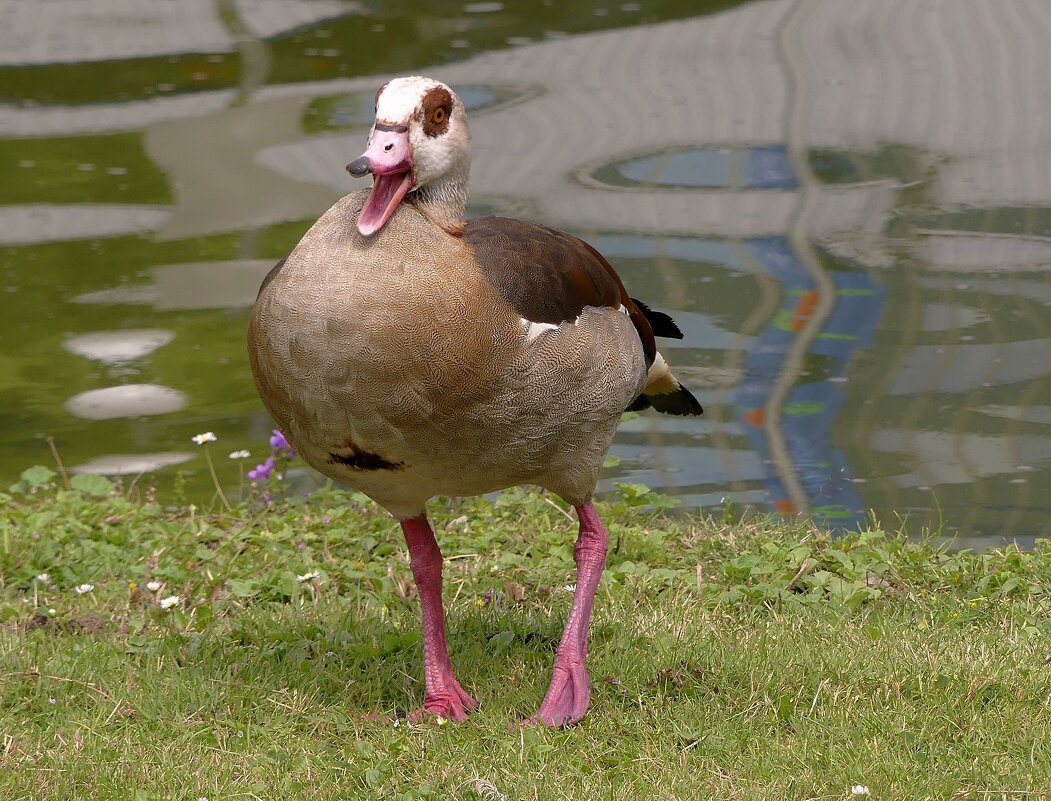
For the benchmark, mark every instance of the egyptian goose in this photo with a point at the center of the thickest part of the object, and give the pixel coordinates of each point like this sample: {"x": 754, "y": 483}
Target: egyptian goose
{"x": 407, "y": 352}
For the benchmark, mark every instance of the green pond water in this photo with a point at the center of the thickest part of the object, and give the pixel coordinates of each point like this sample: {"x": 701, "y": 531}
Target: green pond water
{"x": 846, "y": 207}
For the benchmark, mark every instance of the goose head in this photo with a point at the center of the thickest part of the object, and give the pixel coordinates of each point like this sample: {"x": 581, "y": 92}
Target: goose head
{"x": 419, "y": 144}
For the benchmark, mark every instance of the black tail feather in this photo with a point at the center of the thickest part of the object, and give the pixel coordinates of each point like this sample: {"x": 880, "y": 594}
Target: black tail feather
{"x": 640, "y": 403}
{"x": 680, "y": 402}
{"x": 661, "y": 323}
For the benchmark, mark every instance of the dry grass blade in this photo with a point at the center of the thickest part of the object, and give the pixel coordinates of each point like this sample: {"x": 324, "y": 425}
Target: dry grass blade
{"x": 35, "y": 675}
{"x": 551, "y": 503}
{"x": 486, "y": 789}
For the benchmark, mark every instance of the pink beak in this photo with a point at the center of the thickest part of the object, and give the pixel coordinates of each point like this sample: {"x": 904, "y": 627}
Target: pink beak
{"x": 389, "y": 159}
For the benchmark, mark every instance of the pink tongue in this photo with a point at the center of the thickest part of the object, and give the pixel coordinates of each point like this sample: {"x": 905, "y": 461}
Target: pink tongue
{"x": 387, "y": 192}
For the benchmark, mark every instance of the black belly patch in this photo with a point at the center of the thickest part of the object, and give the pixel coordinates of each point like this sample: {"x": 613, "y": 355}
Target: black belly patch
{"x": 357, "y": 459}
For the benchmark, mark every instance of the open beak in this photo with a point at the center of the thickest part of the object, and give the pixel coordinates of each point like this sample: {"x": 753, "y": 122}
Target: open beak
{"x": 389, "y": 160}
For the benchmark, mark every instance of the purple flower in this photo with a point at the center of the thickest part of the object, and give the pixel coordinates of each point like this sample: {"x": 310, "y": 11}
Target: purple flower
{"x": 262, "y": 471}
{"x": 280, "y": 444}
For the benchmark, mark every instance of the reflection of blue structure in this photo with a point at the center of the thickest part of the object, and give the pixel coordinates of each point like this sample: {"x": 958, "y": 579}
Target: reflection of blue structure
{"x": 733, "y": 167}
{"x": 768, "y": 168}
{"x": 814, "y": 401}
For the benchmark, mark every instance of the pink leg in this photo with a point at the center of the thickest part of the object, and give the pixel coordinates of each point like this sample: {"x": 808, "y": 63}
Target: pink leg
{"x": 567, "y": 697}
{"x": 444, "y": 697}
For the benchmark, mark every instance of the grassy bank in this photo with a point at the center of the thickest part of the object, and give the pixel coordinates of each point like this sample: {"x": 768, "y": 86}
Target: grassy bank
{"x": 729, "y": 660}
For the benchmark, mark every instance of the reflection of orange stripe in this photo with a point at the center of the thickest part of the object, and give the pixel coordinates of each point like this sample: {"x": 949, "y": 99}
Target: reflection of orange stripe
{"x": 806, "y": 303}
{"x": 785, "y": 507}
{"x": 804, "y": 308}
{"x": 754, "y": 417}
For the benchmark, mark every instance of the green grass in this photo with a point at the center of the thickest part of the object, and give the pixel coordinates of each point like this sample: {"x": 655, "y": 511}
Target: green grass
{"x": 729, "y": 660}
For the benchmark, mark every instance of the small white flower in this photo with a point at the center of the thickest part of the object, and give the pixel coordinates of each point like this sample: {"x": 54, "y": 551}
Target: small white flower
{"x": 859, "y": 789}
{"x": 240, "y": 454}
{"x": 80, "y": 589}
{"x": 153, "y": 586}
{"x": 169, "y": 602}
{"x": 207, "y": 436}
{"x": 43, "y": 578}
{"x": 313, "y": 574}
{"x": 51, "y": 701}
{"x": 440, "y": 721}
{"x": 52, "y": 612}
{"x": 570, "y": 588}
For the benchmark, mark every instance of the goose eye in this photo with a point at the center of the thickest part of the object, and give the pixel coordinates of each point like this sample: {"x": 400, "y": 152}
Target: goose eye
{"x": 438, "y": 117}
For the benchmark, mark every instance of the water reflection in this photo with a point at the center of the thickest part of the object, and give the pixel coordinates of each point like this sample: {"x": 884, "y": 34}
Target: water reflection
{"x": 723, "y": 167}
{"x": 51, "y": 222}
{"x": 847, "y": 207}
{"x": 206, "y": 285}
{"x": 118, "y": 347}
{"x": 127, "y": 400}
{"x": 131, "y": 464}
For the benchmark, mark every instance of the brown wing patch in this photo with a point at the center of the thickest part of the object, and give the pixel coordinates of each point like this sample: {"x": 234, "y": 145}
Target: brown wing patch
{"x": 548, "y": 276}
{"x": 437, "y": 108}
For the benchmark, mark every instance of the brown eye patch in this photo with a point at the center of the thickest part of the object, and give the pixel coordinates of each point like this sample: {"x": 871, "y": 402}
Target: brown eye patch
{"x": 437, "y": 108}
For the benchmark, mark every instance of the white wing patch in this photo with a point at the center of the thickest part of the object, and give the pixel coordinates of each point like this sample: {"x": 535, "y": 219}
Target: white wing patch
{"x": 533, "y": 330}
